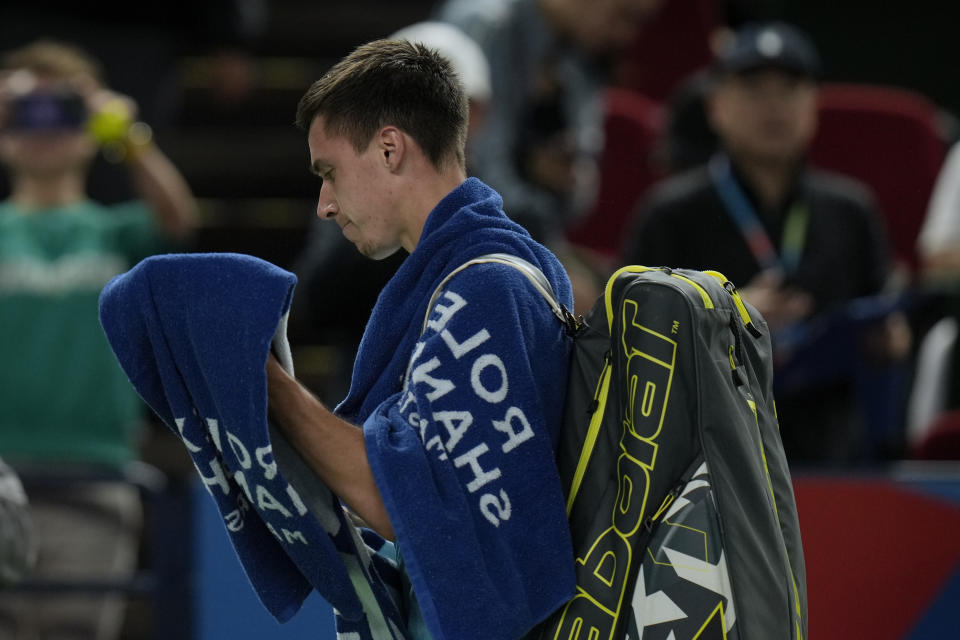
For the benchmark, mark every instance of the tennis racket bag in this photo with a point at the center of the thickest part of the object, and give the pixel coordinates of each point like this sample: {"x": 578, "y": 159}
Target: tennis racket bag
{"x": 678, "y": 493}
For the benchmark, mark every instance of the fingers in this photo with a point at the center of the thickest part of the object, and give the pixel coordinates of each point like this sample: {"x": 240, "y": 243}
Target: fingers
{"x": 100, "y": 100}
{"x": 780, "y": 306}
{"x": 768, "y": 279}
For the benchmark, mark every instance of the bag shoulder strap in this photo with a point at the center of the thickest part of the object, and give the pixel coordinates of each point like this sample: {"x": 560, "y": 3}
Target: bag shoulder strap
{"x": 531, "y": 272}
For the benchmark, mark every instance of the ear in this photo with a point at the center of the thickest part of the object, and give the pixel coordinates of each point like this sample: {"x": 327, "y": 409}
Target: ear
{"x": 393, "y": 147}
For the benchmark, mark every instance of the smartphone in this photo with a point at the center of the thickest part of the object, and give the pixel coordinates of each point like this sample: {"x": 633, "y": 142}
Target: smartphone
{"x": 41, "y": 111}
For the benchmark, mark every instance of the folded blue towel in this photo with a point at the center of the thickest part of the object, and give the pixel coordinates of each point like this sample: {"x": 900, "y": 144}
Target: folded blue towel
{"x": 192, "y": 332}
{"x": 460, "y": 424}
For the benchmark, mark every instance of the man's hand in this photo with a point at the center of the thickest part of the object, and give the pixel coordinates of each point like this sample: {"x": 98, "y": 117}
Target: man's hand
{"x": 100, "y": 100}
{"x": 778, "y": 305}
{"x": 890, "y": 341}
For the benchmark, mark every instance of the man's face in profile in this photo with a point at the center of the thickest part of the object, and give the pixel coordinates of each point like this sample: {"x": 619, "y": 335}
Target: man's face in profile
{"x": 352, "y": 193}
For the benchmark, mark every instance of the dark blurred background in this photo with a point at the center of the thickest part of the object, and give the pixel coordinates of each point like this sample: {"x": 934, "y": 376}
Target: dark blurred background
{"x": 219, "y": 82}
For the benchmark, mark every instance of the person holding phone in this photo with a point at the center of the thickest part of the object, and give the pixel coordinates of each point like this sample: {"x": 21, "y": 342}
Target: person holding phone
{"x": 64, "y": 401}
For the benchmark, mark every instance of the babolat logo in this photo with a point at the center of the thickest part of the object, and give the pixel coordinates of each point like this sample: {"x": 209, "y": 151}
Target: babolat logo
{"x": 604, "y": 571}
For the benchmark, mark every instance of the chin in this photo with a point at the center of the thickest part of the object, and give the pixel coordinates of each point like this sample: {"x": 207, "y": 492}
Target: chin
{"x": 775, "y": 154}
{"x": 379, "y": 253}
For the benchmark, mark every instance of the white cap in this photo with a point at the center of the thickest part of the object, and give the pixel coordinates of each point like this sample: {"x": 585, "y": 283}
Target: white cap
{"x": 464, "y": 54}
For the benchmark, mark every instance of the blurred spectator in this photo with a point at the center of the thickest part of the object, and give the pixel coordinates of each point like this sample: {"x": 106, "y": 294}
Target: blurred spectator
{"x": 939, "y": 240}
{"x": 935, "y": 390}
{"x": 654, "y": 120}
{"x": 800, "y": 242}
{"x": 645, "y": 138}
{"x": 65, "y": 404}
{"x": 936, "y": 387}
{"x": 689, "y": 139}
{"x": 549, "y": 60}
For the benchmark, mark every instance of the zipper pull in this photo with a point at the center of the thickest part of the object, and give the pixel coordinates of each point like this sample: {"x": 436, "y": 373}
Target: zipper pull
{"x": 738, "y": 303}
{"x": 667, "y": 501}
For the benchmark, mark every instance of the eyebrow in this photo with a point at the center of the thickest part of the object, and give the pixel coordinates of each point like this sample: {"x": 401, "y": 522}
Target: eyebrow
{"x": 318, "y": 167}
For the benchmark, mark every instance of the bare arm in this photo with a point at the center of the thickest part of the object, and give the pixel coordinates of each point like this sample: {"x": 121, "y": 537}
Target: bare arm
{"x": 333, "y": 448}
{"x": 165, "y": 190}
{"x": 157, "y": 181}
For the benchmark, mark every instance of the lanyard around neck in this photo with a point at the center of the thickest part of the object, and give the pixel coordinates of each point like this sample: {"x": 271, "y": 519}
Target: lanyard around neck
{"x": 744, "y": 215}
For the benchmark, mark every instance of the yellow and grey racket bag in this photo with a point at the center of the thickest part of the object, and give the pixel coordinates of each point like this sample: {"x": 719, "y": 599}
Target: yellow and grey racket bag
{"x": 679, "y": 497}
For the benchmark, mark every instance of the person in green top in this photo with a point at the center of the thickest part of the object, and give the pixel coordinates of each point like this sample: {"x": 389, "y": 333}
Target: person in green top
{"x": 64, "y": 401}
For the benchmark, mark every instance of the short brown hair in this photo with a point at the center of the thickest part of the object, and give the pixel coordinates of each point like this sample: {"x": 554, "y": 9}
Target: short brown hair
{"x": 392, "y": 82}
{"x": 54, "y": 59}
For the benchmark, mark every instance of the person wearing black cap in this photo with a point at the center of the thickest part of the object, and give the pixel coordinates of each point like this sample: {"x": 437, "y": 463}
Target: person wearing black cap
{"x": 797, "y": 241}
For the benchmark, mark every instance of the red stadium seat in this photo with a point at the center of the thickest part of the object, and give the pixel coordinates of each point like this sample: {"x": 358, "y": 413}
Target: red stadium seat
{"x": 942, "y": 440}
{"x": 890, "y": 139}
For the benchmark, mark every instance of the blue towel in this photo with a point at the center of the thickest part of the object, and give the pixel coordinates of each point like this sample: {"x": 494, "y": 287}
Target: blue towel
{"x": 192, "y": 332}
{"x": 460, "y": 424}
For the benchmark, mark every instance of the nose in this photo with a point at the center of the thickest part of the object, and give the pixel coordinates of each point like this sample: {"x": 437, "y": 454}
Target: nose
{"x": 327, "y": 206}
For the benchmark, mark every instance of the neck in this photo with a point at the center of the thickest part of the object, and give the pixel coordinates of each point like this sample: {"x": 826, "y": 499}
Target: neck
{"x": 33, "y": 192}
{"x": 425, "y": 200}
{"x": 770, "y": 180}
